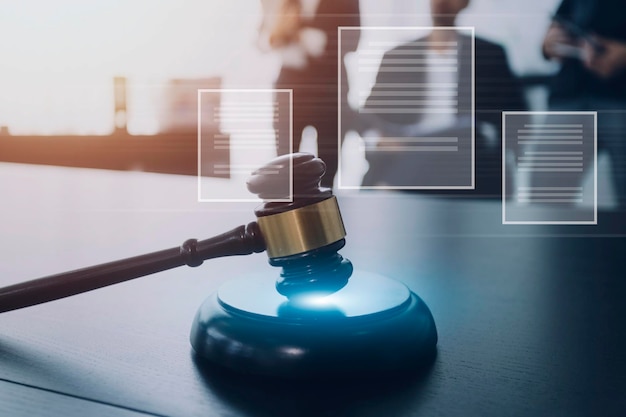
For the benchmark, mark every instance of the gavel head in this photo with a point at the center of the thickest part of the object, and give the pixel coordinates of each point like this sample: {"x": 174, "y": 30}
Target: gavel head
{"x": 304, "y": 235}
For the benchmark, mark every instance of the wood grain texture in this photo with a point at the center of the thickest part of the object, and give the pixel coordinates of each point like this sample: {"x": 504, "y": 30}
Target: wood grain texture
{"x": 530, "y": 319}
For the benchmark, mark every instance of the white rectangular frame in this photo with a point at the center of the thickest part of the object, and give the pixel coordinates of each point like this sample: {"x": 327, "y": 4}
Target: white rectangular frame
{"x": 244, "y": 90}
{"x": 595, "y": 167}
{"x": 472, "y": 185}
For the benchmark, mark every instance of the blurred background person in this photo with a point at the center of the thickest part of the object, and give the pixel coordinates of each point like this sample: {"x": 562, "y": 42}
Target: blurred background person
{"x": 588, "y": 38}
{"x": 496, "y": 90}
{"x": 305, "y": 34}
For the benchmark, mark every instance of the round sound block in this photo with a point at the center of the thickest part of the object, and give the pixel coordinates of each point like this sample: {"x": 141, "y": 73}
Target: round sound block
{"x": 372, "y": 325}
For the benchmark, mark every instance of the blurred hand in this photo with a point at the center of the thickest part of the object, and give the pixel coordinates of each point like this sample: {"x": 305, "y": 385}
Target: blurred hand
{"x": 607, "y": 61}
{"x": 556, "y": 41}
{"x": 287, "y": 26}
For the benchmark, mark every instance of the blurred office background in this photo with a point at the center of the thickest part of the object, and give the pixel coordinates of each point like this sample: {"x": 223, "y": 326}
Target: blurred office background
{"x": 61, "y": 63}
{"x": 59, "y": 58}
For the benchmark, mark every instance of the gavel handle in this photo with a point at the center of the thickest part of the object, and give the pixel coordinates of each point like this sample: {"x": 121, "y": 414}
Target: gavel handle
{"x": 242, "y": 240}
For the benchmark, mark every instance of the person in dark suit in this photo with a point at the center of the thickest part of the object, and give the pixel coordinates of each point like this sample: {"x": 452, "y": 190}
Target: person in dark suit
{"x": 305, "y": 32}
{"x": 588, "y": 38}
{"x": 496, "y": 90}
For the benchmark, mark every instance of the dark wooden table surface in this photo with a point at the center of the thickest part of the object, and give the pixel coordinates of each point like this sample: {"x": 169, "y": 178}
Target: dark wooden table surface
{"x": 531, "y": 319}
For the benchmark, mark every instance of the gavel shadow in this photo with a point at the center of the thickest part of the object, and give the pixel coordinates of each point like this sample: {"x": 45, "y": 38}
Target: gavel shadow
{"x": 363, "y": 394}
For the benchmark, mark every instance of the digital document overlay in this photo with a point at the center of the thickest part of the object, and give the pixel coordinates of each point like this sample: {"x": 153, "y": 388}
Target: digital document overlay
{"x": 250, "y": 122}
{"x": 550, "y": 156}
{"x": 413, "y": 90}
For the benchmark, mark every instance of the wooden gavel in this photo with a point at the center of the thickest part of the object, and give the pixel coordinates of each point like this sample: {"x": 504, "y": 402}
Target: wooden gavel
{"x": 302, "y": 237}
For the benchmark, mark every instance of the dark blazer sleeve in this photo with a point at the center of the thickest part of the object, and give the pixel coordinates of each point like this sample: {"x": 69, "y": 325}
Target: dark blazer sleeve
{"x": 382, "y": 91}
{"x": 564, "y": 9}
{"x": 382, "y": 78}
{"x": 497, "y": 88}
